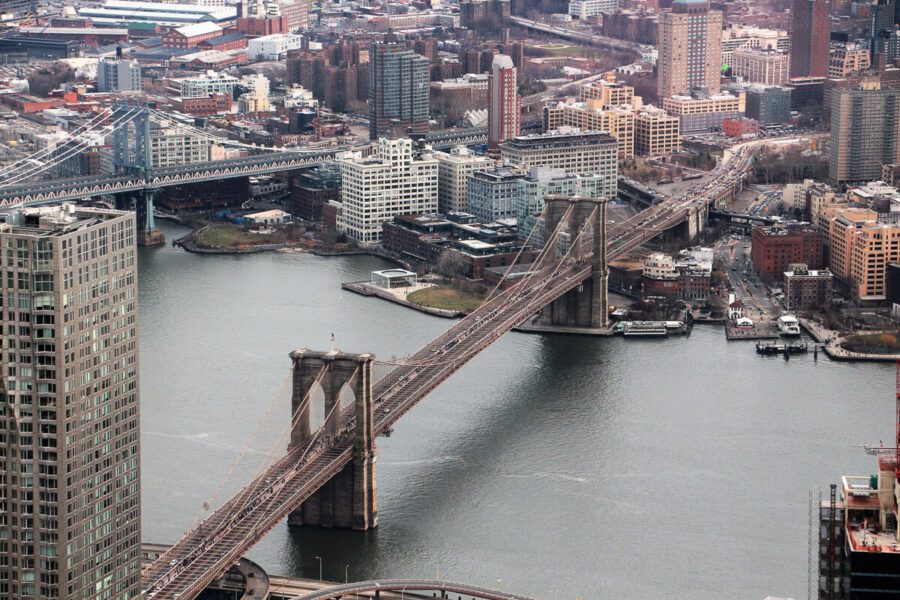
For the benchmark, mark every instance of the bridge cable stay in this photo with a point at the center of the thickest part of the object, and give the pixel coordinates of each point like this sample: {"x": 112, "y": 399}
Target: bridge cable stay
{"x": 245, "y": 449}
{"x": 261, "y": 506}
{"x": 68, "y": 149}
{"x": 69, "y": 152}
{"x": 505, "y": 298}
{"x": 315, "y": 444}
{"x": 544, "y": 253}
{"x": 514, "y": 261}
{"x": 241, "y": 496}
{"x": 214, "y": 138}
{"x": 21, "y": 162}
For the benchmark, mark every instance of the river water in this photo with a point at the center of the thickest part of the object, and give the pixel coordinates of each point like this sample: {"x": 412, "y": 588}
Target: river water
{"x": 553, "y": 466}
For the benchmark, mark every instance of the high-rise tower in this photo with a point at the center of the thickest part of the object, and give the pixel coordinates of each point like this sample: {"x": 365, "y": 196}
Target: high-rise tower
{"x": 810, "y": 33}
{"x": 690, "y": 48}
{"x": 69, "y": 414}
{"x": 503, "y": 102}
{"x": 398, "y": 91}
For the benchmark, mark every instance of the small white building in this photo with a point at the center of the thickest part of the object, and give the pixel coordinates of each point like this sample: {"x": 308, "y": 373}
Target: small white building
{"x": 589, "y": 8}
{"x": 272, "y": 47}
{"x": 268, "y": 217}
{"x": 394, "y": 278}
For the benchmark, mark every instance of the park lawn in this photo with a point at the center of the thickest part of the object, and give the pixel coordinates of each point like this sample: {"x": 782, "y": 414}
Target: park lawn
{"x": 446, "y": 298}
{"x": 228, "y": 235}
{"x": 873, "y": 343}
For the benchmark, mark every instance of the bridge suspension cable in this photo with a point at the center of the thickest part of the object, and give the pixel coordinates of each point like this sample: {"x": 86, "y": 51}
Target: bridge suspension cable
{"x": 28, "y": 160}
{"x": 68, "y": 152}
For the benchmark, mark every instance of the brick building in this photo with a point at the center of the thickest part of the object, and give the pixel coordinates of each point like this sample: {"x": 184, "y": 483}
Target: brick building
{"x": 191, "y": 35}
{"x": 807, "y": 289}
{"x": 775, "y": 248}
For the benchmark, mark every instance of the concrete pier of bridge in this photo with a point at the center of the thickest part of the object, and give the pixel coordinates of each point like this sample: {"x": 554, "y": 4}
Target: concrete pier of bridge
{"x": 348, "y": 500}
{"x": 585, "y": 307}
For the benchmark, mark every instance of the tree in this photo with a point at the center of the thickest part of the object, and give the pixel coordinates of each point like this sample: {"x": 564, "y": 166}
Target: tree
{"x": 46, "y": 80}
{"x": 451, "y": 263}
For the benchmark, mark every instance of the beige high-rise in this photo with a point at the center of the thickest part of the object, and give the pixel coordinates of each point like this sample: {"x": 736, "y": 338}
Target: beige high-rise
{"x": 690, "y": 48}
{"x": 69, "y": 416}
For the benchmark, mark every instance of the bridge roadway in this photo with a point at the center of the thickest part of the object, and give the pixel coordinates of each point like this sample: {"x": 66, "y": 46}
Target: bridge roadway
{"x": 75, "y": 188}
{"x": 403, "y": 585}
{"x": 210, "y": 548}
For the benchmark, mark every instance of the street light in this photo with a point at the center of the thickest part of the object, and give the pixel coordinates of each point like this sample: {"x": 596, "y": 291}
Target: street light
{"x": 346, "y": 573}
{"x": 319, "y": 558}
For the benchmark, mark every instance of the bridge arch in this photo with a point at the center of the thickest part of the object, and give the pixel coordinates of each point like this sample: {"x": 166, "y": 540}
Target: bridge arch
{"x": 348, "y": 590}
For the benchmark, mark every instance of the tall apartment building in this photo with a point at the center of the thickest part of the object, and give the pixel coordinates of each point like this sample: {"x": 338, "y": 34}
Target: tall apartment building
{"x": 656, "y": 132}
{"x": 618, "y": 121}
{"x": 454, "y": 169}
{"x": 71, "y": 520}
{"x": 769, "y": 67}
{"x": 117, "y": 75}
{"x": 842, "y": 225}
{"x": 398, "y": 91}
{"x": 569, "y": 149}
{"x": 810, "y": 33}
{"x": 690, "y": 48}
{"x": 503, "y": 102}
{"x": 374, "y": 190}
{"x": 865, "y": 133}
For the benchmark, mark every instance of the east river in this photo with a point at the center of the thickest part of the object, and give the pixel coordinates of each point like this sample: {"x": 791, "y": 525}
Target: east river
{"x": 553, "y": 466}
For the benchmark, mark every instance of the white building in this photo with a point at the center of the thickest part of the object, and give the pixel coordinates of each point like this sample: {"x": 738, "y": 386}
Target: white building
{"x": 272, "y": 47}
{"x": 589, "y": 8}
{"x": 454, "y": 169}
{"x": 172, "y": 146}
{"x": 211, "y": 82}
{"x": 659, "y": 266}
{"x": 392, "y": 183}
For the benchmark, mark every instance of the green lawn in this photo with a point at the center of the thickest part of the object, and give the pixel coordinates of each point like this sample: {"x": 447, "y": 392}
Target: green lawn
{"x": 446, "y": 298}
{"x": 228, "y": 235}
{"x": 873, "y": 343}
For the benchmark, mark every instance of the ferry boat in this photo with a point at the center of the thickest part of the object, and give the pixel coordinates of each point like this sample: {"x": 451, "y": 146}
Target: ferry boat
{"x": 788, "y": 325}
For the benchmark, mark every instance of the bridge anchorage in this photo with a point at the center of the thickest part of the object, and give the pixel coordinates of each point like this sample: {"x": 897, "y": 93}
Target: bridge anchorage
{"x": 584, "y": 307}
{"x": 348, "y": 500}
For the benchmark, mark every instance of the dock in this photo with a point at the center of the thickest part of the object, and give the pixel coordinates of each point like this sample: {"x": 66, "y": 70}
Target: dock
{"x": 775, "y": 348}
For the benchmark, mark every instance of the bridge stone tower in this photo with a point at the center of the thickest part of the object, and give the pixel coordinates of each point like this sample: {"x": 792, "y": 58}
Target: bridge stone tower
{"x": 586, "y": 305}
{"x": 348, "y": 500}
{"x": 131, "y": 155}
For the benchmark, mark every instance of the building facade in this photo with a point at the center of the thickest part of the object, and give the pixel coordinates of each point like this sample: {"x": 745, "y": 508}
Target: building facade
{"x": 590, "y": 8}
{"x": 71, "y": 524}
{"x": 572, "y": 150}
{"x": 503, "y": 102}
{"x": 374, "y": 190}
{"x": 702, "y": 112}
{"x": 172, "y": 146}
{"x": 810, "y": 33}
{"x": 807, "y": 289}
{"x": 398, "y": 91}
{"x": 656, "y": 132}
{"x": 454, "y": 169}
{"x": 769, "y": 67}
{"x": 865, "y": 133}
{"x": 590, "y": 115}
{"x": 774, "y": 249}
{"x": 768, "y": 105}
{"x": 117, "y": 75}
{"x": 493, "y": 194}
{"x": 690, "y": 48}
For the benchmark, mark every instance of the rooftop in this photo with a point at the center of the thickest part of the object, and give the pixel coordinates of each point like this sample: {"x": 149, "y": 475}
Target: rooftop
{"x": 47, "y": 221}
